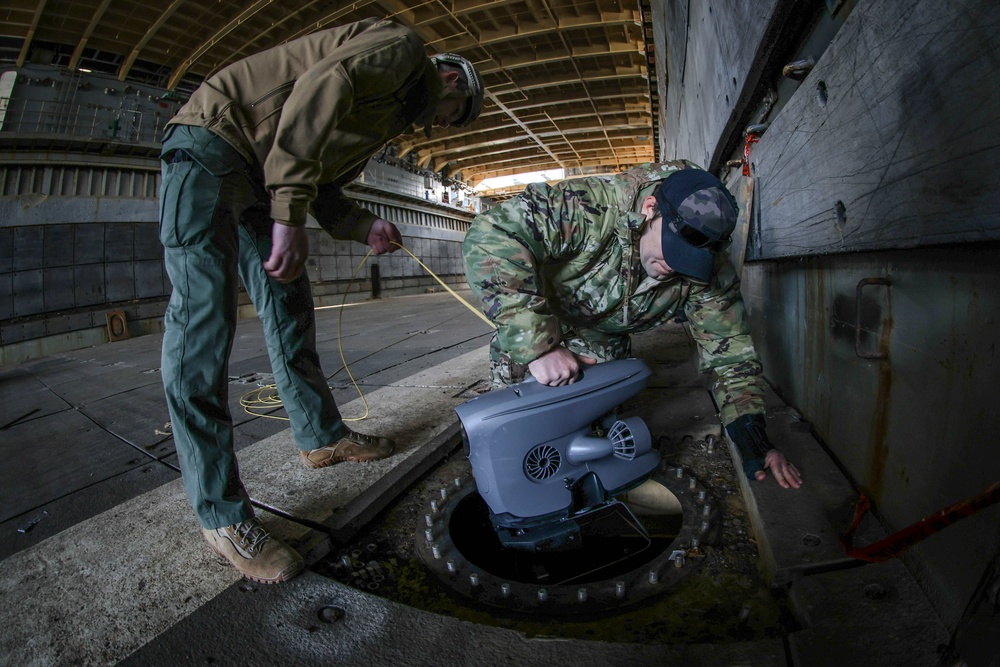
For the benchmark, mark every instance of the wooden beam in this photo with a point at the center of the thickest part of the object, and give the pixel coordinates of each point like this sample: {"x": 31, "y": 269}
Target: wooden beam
{"x": 520, "y": 124}
{"x": 219, "y": 35}
{"x": 329, "y": 18}
{"x": 31, "y": 33}
{"x": 459, "y": 7}
{"x": 545, "y": 101}
{"x": 81, "y": 45}
{"x": 597, "y": 145}
{"x": 244, "y": 47}
{"x": 562, "y": 24}
{"x": 592, "y": 76}
{"x": 533, "y": 59}
{"x": 153, "y": 29}
{"x": 494, "y": 141}
{"x": 479, "y": 176}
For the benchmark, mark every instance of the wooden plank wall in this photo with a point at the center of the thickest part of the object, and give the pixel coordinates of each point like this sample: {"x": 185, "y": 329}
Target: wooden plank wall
{"x": 713, "y": 59}
{"x": 891, "y": 140}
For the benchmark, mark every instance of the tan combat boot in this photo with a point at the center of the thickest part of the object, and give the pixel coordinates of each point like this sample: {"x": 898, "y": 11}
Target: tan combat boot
{"x": 356, "y": 447}
{"x": 252, "y": 550}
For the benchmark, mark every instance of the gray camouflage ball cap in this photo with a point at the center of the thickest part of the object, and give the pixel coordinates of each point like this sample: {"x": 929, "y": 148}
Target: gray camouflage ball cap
{"x": 699, "y": 215}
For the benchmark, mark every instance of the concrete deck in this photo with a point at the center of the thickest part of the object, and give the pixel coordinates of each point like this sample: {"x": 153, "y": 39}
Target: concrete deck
{"x": 103, "y": 563}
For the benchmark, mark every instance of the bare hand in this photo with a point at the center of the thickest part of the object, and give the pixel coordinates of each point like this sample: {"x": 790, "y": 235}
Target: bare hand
{"x": 289, "y": 252}
{"x": 785, "y": 473}
{"x": 382, "y": 235}
{"x": 558, "y": 367}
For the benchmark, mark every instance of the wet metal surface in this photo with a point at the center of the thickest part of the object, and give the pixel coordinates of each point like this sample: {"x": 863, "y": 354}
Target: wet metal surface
{"x": 909, "y": 428}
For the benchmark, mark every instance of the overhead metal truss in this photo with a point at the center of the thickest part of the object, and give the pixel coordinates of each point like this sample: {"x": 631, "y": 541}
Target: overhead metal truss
{"x": 568, "y": 80}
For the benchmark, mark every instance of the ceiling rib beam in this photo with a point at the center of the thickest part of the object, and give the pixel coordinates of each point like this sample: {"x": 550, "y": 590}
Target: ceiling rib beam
{"x": 460, "y": 7}
{"x": 406, "y": 13}
{"x": 567, "y": 79}
{"x": 238, "y": 54}
{"x": 478, "y": 130}
{"x": 579, "y": 74}
{"x": 530, "y": 60}
{"x": 520, "y": 123}
{"x": 490, "y": 37}
{"x": 499, "y": 144}
{"x": 419, "y": 144}
{"x": 223, "y": 32}
{"x": 82, "y": 44}
{"x": 477, "y": 177}
{"x": 329, "y": 18}
{"x": 561, "y": 26}
{"x": 554, "y": 100}
{"x": 30, "y": 35}
{"x": 244, "y": 49}
{"x": 566, "y": 156}
{"x": 153, "y": 29}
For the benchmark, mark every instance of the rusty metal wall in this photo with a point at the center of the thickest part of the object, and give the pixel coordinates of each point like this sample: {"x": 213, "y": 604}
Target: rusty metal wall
{"x": 875, "y": 164}
{"x": 915, "y": 430}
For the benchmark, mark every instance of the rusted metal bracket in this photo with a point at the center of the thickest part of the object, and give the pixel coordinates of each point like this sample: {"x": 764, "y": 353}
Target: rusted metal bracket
{"x": 882, "y": 354}
{"x": 117, "y": 325}
{"x": 798, "y": 70}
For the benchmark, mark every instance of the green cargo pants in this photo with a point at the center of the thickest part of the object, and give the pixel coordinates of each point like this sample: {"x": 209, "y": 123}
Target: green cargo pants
{"x": 214, "y": 224}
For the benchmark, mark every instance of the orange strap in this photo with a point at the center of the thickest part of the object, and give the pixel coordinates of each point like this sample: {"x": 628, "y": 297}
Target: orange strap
{"x": 900, "y": 541}
{"x": 751, "y": 139}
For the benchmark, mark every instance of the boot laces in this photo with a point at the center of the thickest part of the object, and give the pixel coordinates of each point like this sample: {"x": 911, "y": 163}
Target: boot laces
{"x": 251, "y": 534}
{"x": 360, "y": 438}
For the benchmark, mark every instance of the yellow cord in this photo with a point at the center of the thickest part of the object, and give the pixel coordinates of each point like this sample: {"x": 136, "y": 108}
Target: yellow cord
{"x": 340, "y": 345}
{"x": 450, "y": 290}
{"x": 271, "y": 400}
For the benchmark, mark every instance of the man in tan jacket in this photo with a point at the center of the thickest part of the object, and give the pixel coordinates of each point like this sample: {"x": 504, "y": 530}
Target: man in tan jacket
{"x": 259, "y": 145}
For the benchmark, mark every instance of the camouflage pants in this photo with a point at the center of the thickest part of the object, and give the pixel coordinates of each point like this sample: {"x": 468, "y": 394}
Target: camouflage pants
{"x": 588, "y": 343}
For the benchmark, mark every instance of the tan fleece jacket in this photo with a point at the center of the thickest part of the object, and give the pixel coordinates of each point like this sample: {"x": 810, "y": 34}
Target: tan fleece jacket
{"x": 312, "y": 111}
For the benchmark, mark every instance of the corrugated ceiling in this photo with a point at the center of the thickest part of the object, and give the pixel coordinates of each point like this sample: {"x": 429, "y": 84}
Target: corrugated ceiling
{"x": 568, "y": 80}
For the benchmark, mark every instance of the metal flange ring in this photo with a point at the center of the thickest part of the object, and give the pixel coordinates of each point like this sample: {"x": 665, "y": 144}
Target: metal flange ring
{"x": 664, "y": 568}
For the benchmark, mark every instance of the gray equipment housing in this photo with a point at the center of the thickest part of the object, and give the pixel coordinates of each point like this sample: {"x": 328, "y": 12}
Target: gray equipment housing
{"x": 530, "y": 444}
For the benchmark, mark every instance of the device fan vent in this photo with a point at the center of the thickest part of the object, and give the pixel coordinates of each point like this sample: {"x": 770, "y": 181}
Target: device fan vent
{"x": 542, "y": 462}
{"x": 622, "y": 442}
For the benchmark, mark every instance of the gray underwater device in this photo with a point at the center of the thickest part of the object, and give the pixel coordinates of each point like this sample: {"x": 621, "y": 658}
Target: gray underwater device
{"x": 548, "y": 461}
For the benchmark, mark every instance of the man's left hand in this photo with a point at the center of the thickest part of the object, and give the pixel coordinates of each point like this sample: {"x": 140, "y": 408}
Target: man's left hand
{"x": 757, "y": 454}
{"x": 382, "y": 236}
{"x": 785, "y": 473}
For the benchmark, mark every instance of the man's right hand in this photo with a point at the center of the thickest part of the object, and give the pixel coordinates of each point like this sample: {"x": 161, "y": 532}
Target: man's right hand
{"x": 289, "y": 252}
{"x": 558, "y": 367}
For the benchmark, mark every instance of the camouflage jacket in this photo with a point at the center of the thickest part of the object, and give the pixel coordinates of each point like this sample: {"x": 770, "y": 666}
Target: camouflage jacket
{"x": 568, "y": 254}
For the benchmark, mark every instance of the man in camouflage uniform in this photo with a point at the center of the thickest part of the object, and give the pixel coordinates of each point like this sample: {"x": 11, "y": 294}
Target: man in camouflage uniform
{"x": 568, "y": 271}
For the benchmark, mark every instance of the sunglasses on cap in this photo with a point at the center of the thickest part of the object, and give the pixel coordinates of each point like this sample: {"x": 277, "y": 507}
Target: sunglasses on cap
{"x": 691, "y": 235}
